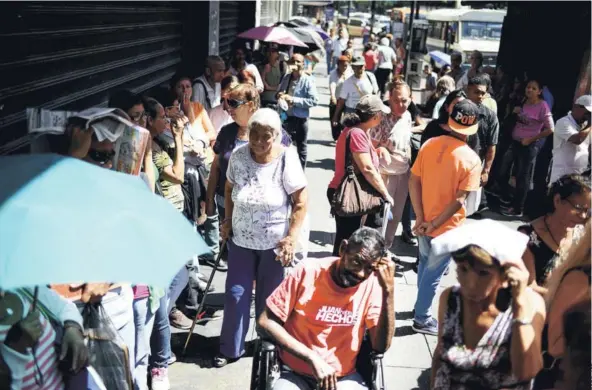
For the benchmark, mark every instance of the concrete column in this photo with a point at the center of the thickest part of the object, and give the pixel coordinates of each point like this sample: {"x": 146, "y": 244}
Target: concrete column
{"x": 214, "y": 23}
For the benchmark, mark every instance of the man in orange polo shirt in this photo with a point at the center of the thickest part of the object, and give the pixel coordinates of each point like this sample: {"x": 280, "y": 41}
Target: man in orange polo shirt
{"x": 445, "y": 172}
{"x": 320, "y": 312}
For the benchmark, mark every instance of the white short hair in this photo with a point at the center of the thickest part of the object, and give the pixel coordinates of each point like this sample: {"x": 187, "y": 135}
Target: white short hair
{"x": 266, "y": 117}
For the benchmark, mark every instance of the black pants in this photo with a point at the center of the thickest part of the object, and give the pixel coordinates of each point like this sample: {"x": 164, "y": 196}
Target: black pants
{"x": 297, "y": 128}
{"x": 382, "y": 76}
{"x": 335, "y": 130}
{"x": 524, "y": 159}
{"x": 346, "y": 226}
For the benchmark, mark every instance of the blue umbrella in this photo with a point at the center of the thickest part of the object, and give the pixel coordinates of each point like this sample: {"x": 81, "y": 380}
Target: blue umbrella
{"x": 63, "y": 220}
{"x": 440, "y": 58}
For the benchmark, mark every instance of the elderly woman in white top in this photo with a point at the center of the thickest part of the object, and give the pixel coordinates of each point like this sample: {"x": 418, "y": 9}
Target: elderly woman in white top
{"x": 265, "y": 203}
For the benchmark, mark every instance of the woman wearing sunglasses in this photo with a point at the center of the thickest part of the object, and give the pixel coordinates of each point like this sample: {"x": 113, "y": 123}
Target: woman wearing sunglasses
{"x": 551, "y": 236}
{"x": 265, "y": 207}
{"x": 219, "y": 115}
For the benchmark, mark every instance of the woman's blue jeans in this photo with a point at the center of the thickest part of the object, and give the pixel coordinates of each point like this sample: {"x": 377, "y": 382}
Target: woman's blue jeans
{"x": 160, "y": 340}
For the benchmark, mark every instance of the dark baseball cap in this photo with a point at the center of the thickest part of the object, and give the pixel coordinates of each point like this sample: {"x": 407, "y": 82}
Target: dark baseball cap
{"x": 372, "y": 104}
{"x": 464, "y": 118}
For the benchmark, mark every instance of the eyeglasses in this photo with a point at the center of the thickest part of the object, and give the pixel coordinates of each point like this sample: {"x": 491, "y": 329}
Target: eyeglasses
{"x": 138, "y": 116}
{"x": 100, "y": 156}
{"x": 580, "y": 209}
{"x": 234, "y": 103}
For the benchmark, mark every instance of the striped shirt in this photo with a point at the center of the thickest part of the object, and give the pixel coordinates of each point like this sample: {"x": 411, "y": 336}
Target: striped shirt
{"x": 47, "y": 358}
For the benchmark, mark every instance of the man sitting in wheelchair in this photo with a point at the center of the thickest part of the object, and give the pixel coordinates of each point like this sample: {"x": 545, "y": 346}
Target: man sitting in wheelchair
{"x": 319, "y": 314}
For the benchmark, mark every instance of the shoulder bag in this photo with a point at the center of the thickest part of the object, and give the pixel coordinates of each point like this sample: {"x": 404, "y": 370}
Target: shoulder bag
{"x": 354, "y": 196}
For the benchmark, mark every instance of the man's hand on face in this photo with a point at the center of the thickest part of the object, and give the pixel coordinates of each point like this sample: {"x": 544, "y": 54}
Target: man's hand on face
{"x": 385, "y": 272}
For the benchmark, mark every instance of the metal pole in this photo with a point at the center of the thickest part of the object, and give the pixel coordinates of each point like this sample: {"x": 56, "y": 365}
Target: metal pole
{"x": 408, "y": 54}
{"x": 349, "y": 5}
{"x": 372, "y": 11}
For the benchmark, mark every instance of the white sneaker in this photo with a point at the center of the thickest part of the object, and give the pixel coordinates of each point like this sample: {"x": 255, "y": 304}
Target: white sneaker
{"x": 160, "y": 379}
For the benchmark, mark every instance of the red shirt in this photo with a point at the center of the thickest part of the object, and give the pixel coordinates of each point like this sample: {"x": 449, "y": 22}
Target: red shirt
{"x": 359, "y": 143}
{"x": 370, "y": 58}
{"x": 329, "y": 319}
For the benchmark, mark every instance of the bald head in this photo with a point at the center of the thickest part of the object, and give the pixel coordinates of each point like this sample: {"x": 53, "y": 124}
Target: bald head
{"x": 215, "y": 68}
{"x": 297, "y": 63}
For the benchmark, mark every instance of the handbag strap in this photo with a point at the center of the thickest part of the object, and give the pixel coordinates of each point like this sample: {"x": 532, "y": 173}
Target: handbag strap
{"x": 39, "y": 305}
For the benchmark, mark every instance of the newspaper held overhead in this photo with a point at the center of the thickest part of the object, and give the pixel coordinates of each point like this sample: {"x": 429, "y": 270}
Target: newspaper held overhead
{"x": 130, "y": 140}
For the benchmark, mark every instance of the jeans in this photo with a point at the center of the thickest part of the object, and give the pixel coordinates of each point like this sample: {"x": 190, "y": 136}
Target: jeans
{"x": 524, "y": 158}
{"x": 211, "y": 235}
{"x": 398, "y": 189}
{"x": 177, "y": 285}
{"x": 245, "y": 266}
{"x": 144, "y": 322}
{"x": 160, "y": 340}
{"x": 297, "y": 128}
{"x": 329, "y": 57}
{"x": 429, "y": 273}
{"x": 289, "y": 380}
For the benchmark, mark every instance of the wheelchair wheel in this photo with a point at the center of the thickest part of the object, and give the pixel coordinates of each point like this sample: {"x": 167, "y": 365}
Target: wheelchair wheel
{"x": 255, "y": 368}
{"x": 265, "y": 371}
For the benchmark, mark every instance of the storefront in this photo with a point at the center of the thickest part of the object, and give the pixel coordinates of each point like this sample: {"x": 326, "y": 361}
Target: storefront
{"x": 72, "y": 55}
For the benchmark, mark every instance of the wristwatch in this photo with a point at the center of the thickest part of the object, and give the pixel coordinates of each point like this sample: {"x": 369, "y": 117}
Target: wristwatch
{"x": 521, "y": 322}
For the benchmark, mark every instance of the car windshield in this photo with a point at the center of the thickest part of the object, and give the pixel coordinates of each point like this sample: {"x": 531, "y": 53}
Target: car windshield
{"x": 481, "y": 30}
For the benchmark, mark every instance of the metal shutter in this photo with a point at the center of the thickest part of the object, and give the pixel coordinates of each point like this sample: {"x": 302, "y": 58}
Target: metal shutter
{"x": 270, "y": 12}
{"x": 72, "y": 55}
{"x": 229, "y": 26}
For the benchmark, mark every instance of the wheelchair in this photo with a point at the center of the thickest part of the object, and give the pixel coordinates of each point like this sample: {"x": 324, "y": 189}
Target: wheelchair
{"x": 267, "y": 365}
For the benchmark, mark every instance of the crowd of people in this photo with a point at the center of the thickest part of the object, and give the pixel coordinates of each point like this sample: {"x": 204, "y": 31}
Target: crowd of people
{"x": 221, "y": 153}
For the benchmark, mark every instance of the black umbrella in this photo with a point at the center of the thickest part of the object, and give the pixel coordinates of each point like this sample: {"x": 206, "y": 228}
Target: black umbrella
{"x": 312, "y": 39}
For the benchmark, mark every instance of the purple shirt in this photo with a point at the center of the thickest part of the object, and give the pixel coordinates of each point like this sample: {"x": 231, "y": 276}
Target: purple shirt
{"x": 533, "y": 118}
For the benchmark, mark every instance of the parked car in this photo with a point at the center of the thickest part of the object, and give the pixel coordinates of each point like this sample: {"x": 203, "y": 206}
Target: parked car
{"x": 355, "y": 27}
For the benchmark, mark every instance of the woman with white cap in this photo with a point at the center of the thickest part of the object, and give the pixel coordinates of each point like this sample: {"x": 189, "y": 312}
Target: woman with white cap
{"x": 491, "y": 323}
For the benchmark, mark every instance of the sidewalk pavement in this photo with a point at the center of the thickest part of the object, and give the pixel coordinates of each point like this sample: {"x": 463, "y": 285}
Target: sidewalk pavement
{"x": 408, "y": 361}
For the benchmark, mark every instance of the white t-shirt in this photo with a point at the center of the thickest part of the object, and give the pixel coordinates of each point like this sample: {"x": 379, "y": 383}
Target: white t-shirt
{"x": 220, "y": 117}
{"x": 207, "y": 96}
{"x": 386, "y": 56}
{"x": 568, "y": 157}
{"x": 339, "y": 45}
{"x": 353, "y": 89}
{"x": 336, "y": 82}
{"x": 254, "y": 71}
{"x": 261, "y": 215}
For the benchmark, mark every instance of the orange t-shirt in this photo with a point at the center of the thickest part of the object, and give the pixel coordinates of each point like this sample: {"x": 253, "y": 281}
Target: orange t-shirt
{"x": 445, "y": 166}
{"x": 328, "y": 319}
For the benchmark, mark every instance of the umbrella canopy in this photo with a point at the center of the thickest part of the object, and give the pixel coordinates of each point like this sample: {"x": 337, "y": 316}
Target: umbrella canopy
{"x": 63, "y": 220}
{"x": 277, "y": 35}
{"x": 440, "y": 58}
{"x": 312, "y": 39}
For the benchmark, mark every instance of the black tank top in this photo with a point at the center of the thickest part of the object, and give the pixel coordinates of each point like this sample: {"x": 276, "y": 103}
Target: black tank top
{"x": 545, "y": 258}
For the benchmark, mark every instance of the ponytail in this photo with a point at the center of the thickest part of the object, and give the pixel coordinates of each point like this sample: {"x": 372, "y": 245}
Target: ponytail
{"x": 351, "y": 120}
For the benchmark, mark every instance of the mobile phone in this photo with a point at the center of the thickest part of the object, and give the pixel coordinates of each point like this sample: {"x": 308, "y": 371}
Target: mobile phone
{"x": 503, "y": 299}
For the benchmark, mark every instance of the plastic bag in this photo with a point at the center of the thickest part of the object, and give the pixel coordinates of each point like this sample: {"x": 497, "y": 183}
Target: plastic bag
{"x": 108, "y": 354}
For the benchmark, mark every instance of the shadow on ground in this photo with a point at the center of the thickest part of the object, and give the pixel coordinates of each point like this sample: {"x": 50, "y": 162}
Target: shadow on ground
{"x": 325, "y": 163}
{"x": 201, "y": 350}
{"x": 423, "y": 381}
{"x": 321, "y": 142}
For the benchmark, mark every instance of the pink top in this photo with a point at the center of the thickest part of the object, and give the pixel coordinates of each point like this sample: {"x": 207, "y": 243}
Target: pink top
{"x": 370, "y": 58}
{"x": 533, "y": 119}
{"x": 359, "y": 143}
{"x": 141, "y": 291}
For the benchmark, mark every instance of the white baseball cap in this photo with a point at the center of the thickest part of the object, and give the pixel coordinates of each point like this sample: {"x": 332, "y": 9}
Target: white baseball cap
{"x": 585, "y": 101}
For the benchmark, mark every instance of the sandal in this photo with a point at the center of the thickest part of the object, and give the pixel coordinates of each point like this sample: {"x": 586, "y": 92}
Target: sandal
{"x": 221, "y": 360}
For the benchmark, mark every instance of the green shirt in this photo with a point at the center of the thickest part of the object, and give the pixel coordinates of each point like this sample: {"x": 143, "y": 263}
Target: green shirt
{"x": 172, "y": 192}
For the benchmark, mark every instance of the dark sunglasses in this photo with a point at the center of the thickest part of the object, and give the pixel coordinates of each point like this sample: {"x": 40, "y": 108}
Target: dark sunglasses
{"x": 101, "y": 157}
{"x": 234, "y": 103}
